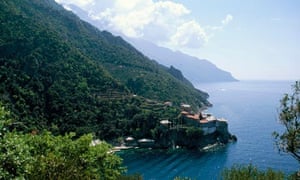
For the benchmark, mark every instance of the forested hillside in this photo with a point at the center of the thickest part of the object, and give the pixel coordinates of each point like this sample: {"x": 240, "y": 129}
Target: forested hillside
{"x": 62, "y": 74}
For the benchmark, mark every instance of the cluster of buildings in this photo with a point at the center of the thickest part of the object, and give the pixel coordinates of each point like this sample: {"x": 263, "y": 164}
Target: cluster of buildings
{"x": 207, "y": 122}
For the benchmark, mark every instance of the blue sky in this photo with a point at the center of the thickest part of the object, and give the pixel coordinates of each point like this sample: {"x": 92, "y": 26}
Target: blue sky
{"x": 253, "y": 39}
{"x": 261, "y": 42}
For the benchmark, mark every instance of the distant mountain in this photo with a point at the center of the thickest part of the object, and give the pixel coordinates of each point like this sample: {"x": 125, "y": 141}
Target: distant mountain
{"x": 194, "y": 69}
{"x": 60, "y": 73}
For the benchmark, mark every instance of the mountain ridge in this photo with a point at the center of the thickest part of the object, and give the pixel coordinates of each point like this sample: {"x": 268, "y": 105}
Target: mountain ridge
{"x": 194, "y": 69}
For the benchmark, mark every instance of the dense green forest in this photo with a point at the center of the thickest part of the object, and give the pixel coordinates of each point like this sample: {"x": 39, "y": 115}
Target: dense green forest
{"x": 59, "y": 73}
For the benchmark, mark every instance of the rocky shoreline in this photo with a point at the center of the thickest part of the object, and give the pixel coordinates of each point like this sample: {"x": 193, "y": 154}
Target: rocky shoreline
{"x": 209, "y": 143}
{"x": 208, "y": 147}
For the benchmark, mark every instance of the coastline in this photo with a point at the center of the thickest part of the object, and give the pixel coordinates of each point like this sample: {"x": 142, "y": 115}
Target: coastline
{"x": 206, "y": 148}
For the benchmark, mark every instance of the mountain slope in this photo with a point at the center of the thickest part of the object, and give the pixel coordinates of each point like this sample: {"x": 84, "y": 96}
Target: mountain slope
{"x": 47, "y": 81}
{"x": 60, "y": 73}
{"x": 194, "y": 69}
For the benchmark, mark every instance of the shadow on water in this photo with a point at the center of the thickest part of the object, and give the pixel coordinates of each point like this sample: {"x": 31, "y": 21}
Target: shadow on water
{"x": 168, "y": 164}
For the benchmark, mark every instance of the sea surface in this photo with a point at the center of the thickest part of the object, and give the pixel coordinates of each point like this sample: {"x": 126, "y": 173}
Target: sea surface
{"x": 251, "y": 108}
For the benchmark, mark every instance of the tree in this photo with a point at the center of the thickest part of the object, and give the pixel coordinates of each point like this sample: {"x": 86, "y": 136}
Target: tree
{"x": 5, "y": 120}
{"x": 289, "y": 117}
{"x": 45, "y": 156}
{"x": 250, "y": 172}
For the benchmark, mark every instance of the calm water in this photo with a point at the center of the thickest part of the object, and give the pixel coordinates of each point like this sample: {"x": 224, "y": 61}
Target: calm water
{"x": 251, "y": 109}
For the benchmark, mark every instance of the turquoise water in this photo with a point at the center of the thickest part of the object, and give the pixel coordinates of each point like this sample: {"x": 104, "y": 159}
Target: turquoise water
{"x": 251, "y": 109}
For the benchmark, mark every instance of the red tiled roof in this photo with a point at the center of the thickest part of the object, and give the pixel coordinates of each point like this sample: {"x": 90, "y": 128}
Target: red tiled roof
{"x": 195, "y": 117}
{"x": 184, "y": 112}
{"x": 204, "y": 121}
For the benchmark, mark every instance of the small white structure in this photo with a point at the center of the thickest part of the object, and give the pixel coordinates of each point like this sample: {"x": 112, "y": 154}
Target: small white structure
{"x": 186, "y": 107}
{"x": 165, "y": 122}
{"x": 129, "y": 138}
{"x": 146, "y": 142}
{"x": 95, "y": 142}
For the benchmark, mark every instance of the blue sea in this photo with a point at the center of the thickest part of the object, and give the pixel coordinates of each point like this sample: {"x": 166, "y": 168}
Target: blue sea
{"x": 251, "y": 108}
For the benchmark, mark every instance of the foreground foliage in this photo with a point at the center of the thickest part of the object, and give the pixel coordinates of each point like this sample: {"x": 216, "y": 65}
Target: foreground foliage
{"x": 250, "y": 172}
{"x": 56, "y": 157}
{"x": 45, "y": 156}
{"x": 289, "y": 116}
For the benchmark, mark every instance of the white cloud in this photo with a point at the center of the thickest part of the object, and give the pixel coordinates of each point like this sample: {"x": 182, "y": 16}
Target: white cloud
{"x": 189, "y": 34}
{"x": 158, "y": 21}
{"x": 162, "y": 22}
{"x": 220, "y": 27}
{"x": 227, "y": 19}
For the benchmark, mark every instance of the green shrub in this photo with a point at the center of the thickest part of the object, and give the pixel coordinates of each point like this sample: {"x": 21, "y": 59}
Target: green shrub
{"x": 250, "y": 172}
{"x": 47, "y": 156}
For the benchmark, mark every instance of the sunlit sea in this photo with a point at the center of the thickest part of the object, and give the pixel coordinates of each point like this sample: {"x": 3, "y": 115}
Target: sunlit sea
{"x": 251, "y": 108}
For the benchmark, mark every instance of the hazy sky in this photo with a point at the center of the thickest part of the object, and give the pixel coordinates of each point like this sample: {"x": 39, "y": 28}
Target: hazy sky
{"x": 253, "y": 39}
